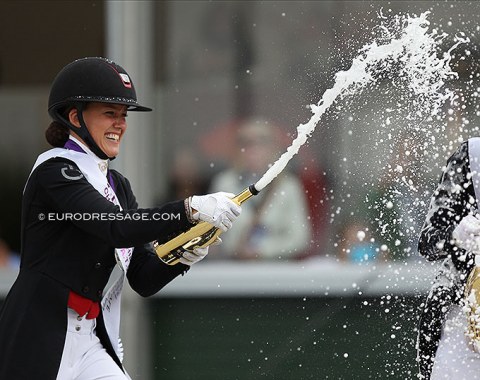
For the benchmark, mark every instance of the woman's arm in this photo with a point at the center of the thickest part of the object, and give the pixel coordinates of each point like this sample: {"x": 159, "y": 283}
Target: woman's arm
{"x": 100, "y": 217}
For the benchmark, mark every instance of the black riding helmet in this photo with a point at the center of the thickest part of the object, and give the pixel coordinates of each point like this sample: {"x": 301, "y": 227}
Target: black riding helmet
{"x": 91, "y": 79}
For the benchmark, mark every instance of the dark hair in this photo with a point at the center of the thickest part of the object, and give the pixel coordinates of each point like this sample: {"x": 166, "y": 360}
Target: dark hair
{"x": 57, "y": 134}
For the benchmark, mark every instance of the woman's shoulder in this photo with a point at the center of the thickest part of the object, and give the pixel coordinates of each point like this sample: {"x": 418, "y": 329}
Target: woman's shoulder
{"x": 58, "y": 166}
{"x": 53, "y": 174}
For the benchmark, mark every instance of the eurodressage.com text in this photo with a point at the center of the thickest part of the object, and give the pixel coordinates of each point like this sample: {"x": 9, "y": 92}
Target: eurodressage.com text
{"x": 105, "y": 216}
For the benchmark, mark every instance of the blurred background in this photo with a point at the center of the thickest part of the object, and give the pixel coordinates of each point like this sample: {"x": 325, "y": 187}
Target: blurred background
{"x": 321, "y": 278}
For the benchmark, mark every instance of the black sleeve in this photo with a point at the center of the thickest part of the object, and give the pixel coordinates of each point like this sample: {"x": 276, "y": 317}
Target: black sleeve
{"x": 72, "y": 194}
{"x": 147, "y": 274}
{"x": 453, "y": 199}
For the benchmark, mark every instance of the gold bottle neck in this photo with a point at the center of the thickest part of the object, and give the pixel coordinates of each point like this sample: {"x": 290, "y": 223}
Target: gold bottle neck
{"x": 243, "y": 196}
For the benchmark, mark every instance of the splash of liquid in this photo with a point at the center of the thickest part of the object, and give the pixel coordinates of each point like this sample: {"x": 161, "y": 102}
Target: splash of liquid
{"x": 413, "y": 55}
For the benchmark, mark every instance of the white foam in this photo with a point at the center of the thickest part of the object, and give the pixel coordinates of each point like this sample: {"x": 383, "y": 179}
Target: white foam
{"x": 415, "y": 51}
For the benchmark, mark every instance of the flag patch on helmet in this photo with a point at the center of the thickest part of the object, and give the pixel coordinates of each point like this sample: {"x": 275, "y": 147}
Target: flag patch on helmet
{"x": 125, "y": 80}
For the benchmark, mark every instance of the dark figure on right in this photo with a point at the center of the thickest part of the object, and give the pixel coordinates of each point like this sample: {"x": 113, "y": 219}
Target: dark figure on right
{"x": 447, "y": 348}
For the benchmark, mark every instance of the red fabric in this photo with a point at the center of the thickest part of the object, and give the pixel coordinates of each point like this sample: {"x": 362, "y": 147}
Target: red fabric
{"x": 83, "y": 305}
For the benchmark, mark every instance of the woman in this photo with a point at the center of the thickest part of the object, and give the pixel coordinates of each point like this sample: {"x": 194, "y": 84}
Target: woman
{"x": 79, "y": 221}
{"x": 451, "y": 233}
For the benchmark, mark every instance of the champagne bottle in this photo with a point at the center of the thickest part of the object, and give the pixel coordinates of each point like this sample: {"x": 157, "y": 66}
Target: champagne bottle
{"x": 201, "y": 235}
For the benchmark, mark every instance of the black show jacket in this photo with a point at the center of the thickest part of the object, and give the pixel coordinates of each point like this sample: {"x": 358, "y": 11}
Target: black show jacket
{"x": 60, "y": 252}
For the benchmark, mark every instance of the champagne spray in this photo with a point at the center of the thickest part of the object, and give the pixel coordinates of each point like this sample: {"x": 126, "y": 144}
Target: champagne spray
{"x": 426, "y": 72}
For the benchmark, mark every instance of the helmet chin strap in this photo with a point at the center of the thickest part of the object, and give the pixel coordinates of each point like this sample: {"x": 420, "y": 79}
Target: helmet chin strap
{"x": 84, "y": 134}
{"x": 87, "y": 137}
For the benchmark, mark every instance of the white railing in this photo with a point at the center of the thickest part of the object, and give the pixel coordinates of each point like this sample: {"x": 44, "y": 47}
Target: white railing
{"x": 316, "y": 278}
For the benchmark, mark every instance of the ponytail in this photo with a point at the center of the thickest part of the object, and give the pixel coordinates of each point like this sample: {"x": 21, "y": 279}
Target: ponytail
{"x": 57, "y": 134}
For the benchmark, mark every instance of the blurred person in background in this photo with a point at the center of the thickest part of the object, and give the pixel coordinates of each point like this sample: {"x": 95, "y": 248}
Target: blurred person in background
{"x": 58, "y": 321}
{"x": 275, "y": 223}
{"x": 8, "y": 258}
{"x": 451, "y": 234}
{"x": 186, "y": 177}
{"x": 356, "y": 244}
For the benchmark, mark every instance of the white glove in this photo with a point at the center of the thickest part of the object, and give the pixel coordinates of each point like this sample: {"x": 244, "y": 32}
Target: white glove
{"x": 190, "y": 258}
{"x": 467, "y": 234}
{"x": 217, "y": 209}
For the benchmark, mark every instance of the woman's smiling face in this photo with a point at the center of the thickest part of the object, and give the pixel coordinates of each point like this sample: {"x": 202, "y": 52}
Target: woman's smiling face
{"x": 106, "y": 124}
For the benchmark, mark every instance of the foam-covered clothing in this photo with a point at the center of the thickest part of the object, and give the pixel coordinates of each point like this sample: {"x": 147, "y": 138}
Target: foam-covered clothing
{"x": 453, "y": 199}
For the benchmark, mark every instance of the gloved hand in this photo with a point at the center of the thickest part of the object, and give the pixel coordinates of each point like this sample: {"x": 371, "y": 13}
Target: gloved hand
{"x": 217, "y": 209}
{"x": 467, "y": 234}
{"x": 191, "y": 257}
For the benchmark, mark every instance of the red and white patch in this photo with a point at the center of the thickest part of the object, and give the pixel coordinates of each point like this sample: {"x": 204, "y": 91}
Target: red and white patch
{"x": 124, "y": 77}
{"x": 126, "y": 80}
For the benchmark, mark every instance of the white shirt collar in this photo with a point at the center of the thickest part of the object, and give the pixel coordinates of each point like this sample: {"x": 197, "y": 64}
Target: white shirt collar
{"x": 102, "y": 164}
